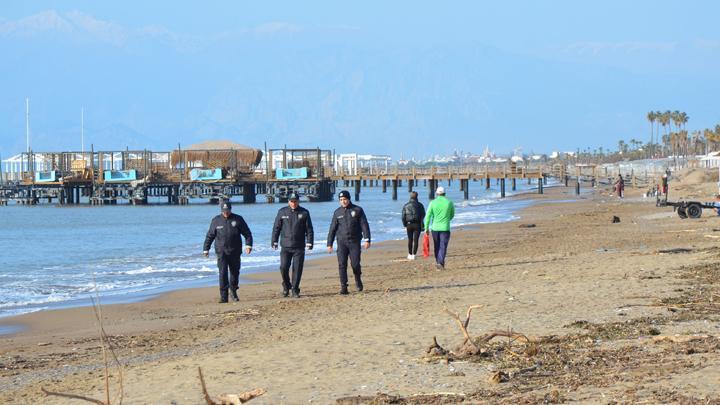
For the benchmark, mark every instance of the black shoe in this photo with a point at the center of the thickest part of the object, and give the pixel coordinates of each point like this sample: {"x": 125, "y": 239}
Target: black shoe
{"x": 359, "y": 284}
{"x": 296, "y": 293}
{"x": 286, "y": 292}
{"x": 234, "y": 296}
{"x": 222, "y": 301}
{"x": 343, "y": 290}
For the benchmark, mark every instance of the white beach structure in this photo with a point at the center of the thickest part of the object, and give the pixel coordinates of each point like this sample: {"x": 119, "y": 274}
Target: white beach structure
{"x": 349, "y": 163}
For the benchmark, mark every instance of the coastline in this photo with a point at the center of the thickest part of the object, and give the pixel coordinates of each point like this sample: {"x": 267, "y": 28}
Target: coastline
{"x": 574, "y": 265}
{"x": 262, "y": 274}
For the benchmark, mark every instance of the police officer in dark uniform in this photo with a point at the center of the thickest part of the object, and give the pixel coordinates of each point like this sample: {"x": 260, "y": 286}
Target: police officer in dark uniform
{"x": 350, "y": 225}
{"x": 293, "y": 227}
{"x": 225, "y": 230}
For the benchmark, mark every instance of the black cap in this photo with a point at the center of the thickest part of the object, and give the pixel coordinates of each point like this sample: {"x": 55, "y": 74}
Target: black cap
{"x": 293, "y": 196}
{"x": 226, "y": 207}
{"x": 344, "y": 194}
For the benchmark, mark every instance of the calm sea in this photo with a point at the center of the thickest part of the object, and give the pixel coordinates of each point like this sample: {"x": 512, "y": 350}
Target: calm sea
{"x": 53, "y": 257}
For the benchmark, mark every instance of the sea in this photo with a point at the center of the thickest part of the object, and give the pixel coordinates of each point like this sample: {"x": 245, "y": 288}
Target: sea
{"x": 58, "y": 257}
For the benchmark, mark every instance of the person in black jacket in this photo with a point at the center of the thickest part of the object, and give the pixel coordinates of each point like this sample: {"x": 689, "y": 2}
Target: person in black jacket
{"x": 225, "y": 230}
{"x": 350, "y": 225}
{"x": 413, "y": 215}
{"x": 293, "y": 227}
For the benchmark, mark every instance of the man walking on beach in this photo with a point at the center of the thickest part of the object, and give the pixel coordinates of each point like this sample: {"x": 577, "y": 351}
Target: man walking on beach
{"x": 620, "y": 186}
{"x": 440, "y": 213}
{"x": 350, "y": 225}
{"x": 294, "y": 229}
{"x": 413, "y": 214}
{"x": 225, "y": 230}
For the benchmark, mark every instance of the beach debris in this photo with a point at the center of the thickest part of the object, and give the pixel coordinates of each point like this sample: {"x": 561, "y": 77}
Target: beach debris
{"x": 615, "y": 219}
{"x": 228, "y": 399}
{"x": 381, "y": 398}
{"x": 527, "y": 226}
{"x": 108, "y": 350}
{"x": 498, "y": 377}
{"x": 44, "y": 343}
{"x": 435, "y": 349}
{"x": 674, "y": 251}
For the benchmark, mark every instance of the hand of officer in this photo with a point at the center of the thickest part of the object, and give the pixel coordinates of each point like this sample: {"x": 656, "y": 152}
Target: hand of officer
{"x": 367, "y": 245}
{"x": 308, "y": 246}
{"x": 329, "y": 249}
{"x": 206, "y": 253}
{"x": 248, "y": 249}
{"x": 274, "y": 246}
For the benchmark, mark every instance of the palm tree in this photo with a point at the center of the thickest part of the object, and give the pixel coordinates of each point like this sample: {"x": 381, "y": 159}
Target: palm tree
{"x": 664, "y": 120}
{"x": 651, "y": 116}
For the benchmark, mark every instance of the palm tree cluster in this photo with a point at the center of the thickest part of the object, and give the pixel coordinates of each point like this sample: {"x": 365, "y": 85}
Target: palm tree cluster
{"x": 677, "y": 141}
{"x": 668, "y": 137}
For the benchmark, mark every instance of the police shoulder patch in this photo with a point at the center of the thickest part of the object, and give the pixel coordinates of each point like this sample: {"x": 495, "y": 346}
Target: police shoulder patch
{"x": 233, "y": 223}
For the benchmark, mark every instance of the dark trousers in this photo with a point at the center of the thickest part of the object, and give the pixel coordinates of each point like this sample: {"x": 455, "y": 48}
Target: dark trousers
{"x": 296, "y": 256}
{"x": 413, "y": 234}
{"x": 229, "y": 267}
{"x": 347, "y": 250}
{"x": 440, "y": 244}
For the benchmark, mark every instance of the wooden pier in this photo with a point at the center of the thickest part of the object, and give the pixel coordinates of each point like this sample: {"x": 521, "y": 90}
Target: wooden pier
{"x": 179, "y": 176}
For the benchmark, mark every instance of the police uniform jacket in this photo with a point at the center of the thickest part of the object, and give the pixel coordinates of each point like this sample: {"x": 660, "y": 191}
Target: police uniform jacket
{"x": 349, "y": 225}
{"x": 226, "y": 234}
{"x": 293, "y": 227}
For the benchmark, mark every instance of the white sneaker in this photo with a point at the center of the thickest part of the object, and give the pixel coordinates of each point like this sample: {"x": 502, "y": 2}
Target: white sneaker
{"x": 411, "y": 257}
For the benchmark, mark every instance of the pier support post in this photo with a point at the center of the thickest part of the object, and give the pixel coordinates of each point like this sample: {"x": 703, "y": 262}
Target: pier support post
{"x": 357, "y": 190}
{"x": 577, "y": 186}
{"x": 466, "y": 189}
{"x": 487, "y": 183}
{"x": 462, "y": 185}
{"x": 384, "y": 186}
{"x": 432, "y": 185}
{"x": 394, "y": 189}
{"x": 410, "y": 185}
{"x": 249, "y": 193}
{"x": 364, "y": 183}
{"x": 544, "y": 180}
{"x": 540, "y": 187}
{"x": 425, "y": 183}
{"x": 566, "y": 180}
{"x": 502, "y": 188}
{"x": 514, "y": 185}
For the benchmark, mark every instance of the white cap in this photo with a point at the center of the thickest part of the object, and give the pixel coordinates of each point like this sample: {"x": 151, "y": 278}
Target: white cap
{"x": 440, "y": 190}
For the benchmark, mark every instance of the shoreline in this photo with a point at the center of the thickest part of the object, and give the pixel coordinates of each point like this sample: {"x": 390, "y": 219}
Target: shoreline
{"x": 563, "y": 270}
{"x": 260, "y": 274}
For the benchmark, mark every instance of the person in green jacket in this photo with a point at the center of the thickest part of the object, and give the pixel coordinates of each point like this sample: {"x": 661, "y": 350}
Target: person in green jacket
{"x": 437, "y": 219}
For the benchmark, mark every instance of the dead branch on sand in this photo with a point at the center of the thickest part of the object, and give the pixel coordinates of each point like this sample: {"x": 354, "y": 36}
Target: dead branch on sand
{"x": 228, "y": 399}
{"x": 106, "y": 347}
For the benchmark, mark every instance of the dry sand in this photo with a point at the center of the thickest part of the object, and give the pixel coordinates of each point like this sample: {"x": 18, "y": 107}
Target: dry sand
{"x": 605, "y": 290}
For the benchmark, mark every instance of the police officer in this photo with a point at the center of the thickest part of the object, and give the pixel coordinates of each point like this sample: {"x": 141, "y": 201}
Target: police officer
{"x": 225, "y": 230}
{"x": 293, "y": 227}
{"x": 350, "y": 225}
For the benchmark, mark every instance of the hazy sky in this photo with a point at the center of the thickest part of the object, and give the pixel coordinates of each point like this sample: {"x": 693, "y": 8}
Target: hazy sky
{"x": 375, "y": 77}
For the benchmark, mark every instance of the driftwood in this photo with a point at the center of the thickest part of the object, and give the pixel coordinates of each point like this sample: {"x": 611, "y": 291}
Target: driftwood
{"x": 107, "y": 348}
{"x": 473, "y": 346}
{"x": 228, "y": 399}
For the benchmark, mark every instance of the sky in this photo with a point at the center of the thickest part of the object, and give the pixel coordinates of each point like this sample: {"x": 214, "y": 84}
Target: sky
{"x": 410, "y": 78}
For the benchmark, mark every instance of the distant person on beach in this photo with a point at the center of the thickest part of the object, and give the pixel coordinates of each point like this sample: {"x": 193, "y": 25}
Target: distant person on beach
{"x": 664, "y": 181}
{"x": 225, "y": 230}
{"x": 350, "y": 225}
{"x": 620, "y": 186}
{"x": 413, "y": 215}
{"x": 440, "y": 213}
{"x": 294, "y": 228}
{"x": 717, "y": 204}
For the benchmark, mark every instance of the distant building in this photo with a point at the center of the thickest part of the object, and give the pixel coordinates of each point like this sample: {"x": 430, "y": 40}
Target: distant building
{"x": 349, "y": 163}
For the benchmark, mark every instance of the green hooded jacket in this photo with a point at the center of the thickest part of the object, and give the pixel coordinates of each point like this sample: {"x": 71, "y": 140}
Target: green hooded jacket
{"x": 439, "y": 214}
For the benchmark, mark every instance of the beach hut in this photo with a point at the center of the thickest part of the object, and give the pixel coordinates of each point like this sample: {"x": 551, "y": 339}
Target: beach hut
{"x": 215, "y": 160}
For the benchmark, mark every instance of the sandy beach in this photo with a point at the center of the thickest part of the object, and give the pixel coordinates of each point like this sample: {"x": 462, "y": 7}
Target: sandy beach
{"x": 624, "y": 312}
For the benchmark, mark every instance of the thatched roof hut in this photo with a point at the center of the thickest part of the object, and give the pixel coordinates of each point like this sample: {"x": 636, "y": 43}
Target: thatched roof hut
{"x": 214, "y": 154}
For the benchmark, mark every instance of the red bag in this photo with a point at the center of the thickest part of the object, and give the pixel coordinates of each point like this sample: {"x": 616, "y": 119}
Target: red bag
{"x": 426, "y": 245}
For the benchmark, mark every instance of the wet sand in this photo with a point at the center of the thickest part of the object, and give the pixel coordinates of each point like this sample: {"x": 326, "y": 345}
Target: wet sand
{"x": 573, "y": 265}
